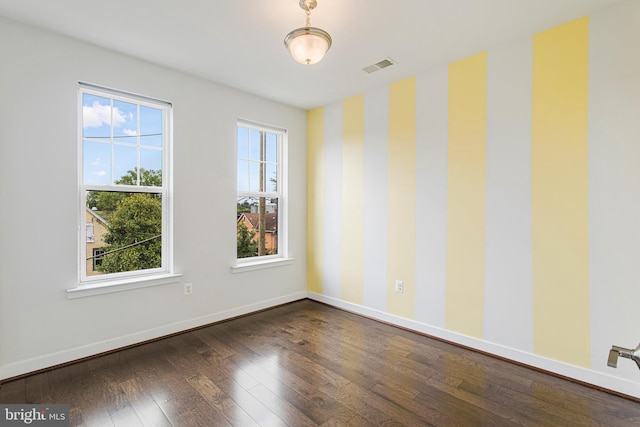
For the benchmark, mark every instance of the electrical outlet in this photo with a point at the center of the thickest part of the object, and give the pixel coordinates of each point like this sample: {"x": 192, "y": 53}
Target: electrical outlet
{"x": 399, "y": 286}
{"x": 188, "y": 288}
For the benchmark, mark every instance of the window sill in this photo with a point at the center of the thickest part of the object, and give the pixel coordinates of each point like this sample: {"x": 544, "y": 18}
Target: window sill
{"x": 107, "y": 287}
{"x": 259, "y": 265}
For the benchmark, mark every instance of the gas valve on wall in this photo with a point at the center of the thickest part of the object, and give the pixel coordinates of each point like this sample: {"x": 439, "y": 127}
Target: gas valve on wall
{"x": 627, "y": 353}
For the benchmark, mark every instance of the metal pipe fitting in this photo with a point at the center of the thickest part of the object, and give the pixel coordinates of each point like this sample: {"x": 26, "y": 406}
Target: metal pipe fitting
{"x": 627, "y": 353}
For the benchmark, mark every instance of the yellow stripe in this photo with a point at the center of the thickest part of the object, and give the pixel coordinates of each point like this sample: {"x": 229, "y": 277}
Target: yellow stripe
{"x": 401, "y": 196}
{"x": 352, "y": 198}
{"x": 466, "y": 195}
{"x": 315, "y": 156}
{"x": 559, "y": 193}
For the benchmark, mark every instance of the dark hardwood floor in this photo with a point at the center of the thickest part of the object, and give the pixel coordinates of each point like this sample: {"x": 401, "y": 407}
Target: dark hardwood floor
{"x": 307, "y": 364}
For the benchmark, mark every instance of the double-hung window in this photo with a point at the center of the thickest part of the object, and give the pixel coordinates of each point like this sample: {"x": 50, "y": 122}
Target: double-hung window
{"x": 124, "y": 175}
{"x": 261, "y": 191}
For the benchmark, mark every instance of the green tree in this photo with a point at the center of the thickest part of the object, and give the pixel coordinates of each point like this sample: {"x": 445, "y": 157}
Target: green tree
{"x": 247, "y": 247}
{"x": 133, "y": 235}
{"x": 244, "y": 207}
{"x": 106, "y": 201}
{"x": 148, "y": 177}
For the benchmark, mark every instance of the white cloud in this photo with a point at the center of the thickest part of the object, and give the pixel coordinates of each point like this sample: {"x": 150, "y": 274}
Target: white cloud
{"x": 130, "y": 132}
{"x": 100, "y": 173}
{"x": 97, "y": 115}
{"x": 96, "y": 162}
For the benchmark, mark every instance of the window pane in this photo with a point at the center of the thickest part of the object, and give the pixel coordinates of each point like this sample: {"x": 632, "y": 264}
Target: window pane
{"x": 243, "y": 175}
{"x": 254, "y": 153}
{"x": 151, "y": 141}
{"x": 243, "y": 143}
{"x": 125, "y": 162}
{"x": 125, "y": 122}
{"x": 254, "y": 176}
{"x": 151, "y": 126}
{"x": 257, "y": 226}
{"x": 271, "y": 177}
{"x": 272, "y": 148}
{"x": 150, "y": 167}
{"x": 96, "y": 162}
{"x": 127, "y": 227}
{"x": 96, "y": 116}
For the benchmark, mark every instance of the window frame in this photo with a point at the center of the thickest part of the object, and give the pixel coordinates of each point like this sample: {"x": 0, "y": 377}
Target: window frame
{"x": 281, "y": 193}
{"x": 165, "y": 271}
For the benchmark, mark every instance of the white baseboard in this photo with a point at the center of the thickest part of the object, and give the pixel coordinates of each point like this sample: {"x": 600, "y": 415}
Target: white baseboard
{"x": 584, "y": 375}
{"x": 69, "y": 355}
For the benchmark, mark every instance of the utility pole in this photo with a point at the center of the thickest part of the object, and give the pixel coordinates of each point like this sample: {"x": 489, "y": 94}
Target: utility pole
{"x": 262, "y": 205}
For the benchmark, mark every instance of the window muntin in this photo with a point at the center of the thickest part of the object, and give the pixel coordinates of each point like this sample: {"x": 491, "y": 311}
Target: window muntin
{"x": 259, "y": 217}
{"x": 124, "y": 148}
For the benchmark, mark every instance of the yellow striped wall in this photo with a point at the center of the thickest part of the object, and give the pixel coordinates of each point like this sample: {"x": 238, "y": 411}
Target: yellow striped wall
{"x": 352, "y": 199}
{"x": 401, "y": 197}
{"x": 315, "y": 170}
{"x": 466, "y": 194}
{"x": 559, "y": 193}
{"x": 506, "y": 197}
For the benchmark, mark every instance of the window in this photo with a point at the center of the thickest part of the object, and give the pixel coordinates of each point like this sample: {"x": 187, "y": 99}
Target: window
{"x": 124, "y": 145}
{"x": 90, "y": 238}
{"x": 97, "y": 258}
{"x": 260, "y": 218}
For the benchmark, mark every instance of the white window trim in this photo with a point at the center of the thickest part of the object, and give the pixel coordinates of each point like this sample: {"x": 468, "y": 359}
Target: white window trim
{"x": 111, "y": 286}
{"x": 116, "y": 282}
{"x": 282, "y": 258}
{"x": 255, "y": 264}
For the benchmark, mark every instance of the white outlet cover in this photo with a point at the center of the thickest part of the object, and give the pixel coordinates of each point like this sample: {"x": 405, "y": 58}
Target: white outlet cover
{"x": 399, "y": 286}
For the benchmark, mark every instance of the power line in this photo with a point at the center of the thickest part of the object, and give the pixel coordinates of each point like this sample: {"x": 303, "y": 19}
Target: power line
{"x": 124, "y": 247}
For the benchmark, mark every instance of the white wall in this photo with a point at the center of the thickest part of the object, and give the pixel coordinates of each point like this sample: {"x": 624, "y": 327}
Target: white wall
{"x": 614, "y": 184}
{"x": 39, "y": 326}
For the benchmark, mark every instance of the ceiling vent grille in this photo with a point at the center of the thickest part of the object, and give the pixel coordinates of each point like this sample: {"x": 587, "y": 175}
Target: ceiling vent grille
{"x": 379, "y": 65}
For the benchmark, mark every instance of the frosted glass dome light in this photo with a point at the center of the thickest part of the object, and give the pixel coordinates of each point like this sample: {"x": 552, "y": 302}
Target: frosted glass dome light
{"x": 308, "y": 44}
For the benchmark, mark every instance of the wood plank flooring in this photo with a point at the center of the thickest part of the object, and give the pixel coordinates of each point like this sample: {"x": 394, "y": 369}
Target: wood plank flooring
{"x": 307, "y": 364}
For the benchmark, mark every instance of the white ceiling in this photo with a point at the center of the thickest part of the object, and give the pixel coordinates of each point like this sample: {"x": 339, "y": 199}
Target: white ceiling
{"x": 239, "y": 43}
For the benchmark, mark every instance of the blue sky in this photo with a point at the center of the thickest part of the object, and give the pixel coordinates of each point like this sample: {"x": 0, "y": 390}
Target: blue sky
{"x": 118, "y": 137}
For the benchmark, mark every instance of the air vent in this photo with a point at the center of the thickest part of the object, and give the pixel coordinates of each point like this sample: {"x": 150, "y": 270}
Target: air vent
{"x": 379, "y": 65}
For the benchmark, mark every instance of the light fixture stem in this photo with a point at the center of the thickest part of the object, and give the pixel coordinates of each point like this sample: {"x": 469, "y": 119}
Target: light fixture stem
{"x": 308, "y": 12}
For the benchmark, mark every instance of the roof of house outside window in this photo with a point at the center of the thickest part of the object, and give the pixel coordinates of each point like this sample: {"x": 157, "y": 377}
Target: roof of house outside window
{"x": 271, "y": 220}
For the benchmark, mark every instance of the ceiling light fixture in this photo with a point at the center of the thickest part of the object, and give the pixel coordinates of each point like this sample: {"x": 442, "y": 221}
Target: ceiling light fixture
{"x": 308, "y": 44}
